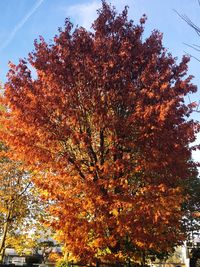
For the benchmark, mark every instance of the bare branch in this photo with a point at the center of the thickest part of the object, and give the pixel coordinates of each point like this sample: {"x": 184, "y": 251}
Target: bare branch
{"x": 192, "y": 46}
{"x": 188, "y": 21}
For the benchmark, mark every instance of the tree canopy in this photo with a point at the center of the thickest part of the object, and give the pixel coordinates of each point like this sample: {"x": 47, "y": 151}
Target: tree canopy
{"x": 105, "y": 127}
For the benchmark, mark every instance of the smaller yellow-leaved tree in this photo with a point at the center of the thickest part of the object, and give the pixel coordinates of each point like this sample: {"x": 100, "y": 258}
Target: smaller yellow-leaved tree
{"x": 19, "y": 203}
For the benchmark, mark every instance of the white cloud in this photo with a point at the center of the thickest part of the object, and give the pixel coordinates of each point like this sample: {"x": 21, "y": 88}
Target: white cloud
{"x": 21, "y": 24}
{"x": 83, "y": 14}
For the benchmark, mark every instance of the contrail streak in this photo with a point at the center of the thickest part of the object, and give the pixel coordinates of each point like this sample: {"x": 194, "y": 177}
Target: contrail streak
{"x": 21, "y": 24}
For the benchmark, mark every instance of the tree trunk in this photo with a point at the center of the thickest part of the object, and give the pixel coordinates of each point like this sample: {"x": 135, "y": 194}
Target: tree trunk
{"x": 143, "y": 259}
{"x": 2, "y": 245}
{"x": 66, "y": 256}
{"x": 97, "y": 263}
{"x": 4, "y": 235}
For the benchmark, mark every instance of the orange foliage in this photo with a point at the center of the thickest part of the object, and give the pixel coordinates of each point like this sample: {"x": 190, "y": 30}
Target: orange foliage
{"x": 104, "y": 127}
{"x": 55, "y": 256}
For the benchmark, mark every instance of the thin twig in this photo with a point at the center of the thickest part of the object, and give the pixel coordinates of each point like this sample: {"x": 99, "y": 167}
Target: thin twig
{"x": 189, "y": 55}
{"x": 188, "y": 21}
{"x": 196, "y": 49}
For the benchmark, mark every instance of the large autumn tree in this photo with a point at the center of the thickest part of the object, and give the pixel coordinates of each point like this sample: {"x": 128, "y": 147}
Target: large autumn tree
{"x": 106, "y": 129}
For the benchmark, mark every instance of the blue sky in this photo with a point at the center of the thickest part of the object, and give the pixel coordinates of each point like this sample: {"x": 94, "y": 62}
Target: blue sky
{"x": 22, "y": 21}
